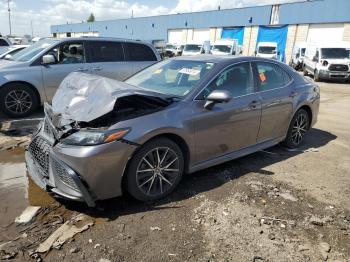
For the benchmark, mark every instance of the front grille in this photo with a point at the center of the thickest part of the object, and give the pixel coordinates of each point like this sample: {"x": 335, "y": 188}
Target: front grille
{"x": 338, "y": 68}
{"x": 63, "y": 174}
{"x": 39, "y": 148}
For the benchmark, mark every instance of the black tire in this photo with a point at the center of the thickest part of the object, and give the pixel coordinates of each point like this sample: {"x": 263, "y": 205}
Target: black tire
{"x": 8, "y": 103}
{"x": 157, "y": 187}
{"x": 316, "y": 76}
{"x": 293, "y": 140}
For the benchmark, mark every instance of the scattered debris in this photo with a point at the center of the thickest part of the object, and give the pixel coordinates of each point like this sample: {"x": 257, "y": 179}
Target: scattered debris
{"x": 325, "y": 246}
{"x": 27, "y": 215}
{"x": 104, "y": 260}
{"x": 155, "y": 229}
{"x": 288, "y": 196}
{"x": 7, "y": 255}
{"x": 97, "y": 245}
{"x": 317, "y": 221}
{"x": 68, "y": 230}
{"x": 303, "y": 247}
{"x": 90, "y": 241}
{"x": 74, "y": 250}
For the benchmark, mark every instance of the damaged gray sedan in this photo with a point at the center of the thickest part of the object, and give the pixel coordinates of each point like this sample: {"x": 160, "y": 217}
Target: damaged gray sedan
{"x": 102, "y": 137}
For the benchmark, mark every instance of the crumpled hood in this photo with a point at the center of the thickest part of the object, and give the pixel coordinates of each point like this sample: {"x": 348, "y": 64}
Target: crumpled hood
{"x": 84, "y": 97}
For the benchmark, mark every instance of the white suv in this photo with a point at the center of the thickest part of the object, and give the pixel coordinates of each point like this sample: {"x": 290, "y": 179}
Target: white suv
{"x": 32, "y": 75}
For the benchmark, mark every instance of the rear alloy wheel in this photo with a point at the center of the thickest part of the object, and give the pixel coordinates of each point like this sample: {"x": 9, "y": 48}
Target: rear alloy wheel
{"x": 298, "y": 127}
{"x": 155, "y": 170}
{"x": 18, "y": 100}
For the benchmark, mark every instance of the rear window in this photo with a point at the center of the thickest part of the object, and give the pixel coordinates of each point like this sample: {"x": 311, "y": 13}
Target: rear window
{"x": 139, "y": 52}
{"x": 103, "y": 51}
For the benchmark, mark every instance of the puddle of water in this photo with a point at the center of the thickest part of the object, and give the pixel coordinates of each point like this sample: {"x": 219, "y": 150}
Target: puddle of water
{"x": 17, "y": 190}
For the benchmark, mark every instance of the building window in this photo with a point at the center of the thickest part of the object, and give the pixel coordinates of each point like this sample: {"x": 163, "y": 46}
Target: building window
{"x": 275, "y": 15}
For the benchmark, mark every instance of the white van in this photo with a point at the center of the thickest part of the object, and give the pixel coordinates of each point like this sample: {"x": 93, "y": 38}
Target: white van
{"x": 193, "y": 48}
{"x": 225, "y": 47}
{"x": 267, "y": 50}
{"x": 327, "y": 61}
{"x": 298, "y": 55}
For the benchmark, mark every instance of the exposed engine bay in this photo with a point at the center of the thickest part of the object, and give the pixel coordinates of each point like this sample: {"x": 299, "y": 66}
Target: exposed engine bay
{"x": 85, "y": 101}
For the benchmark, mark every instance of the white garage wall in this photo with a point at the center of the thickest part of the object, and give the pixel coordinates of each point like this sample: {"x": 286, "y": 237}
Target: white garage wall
{"x": 175, "y": 36}
{"x": 201, "y": 35}
{"x": 325, "y": 33}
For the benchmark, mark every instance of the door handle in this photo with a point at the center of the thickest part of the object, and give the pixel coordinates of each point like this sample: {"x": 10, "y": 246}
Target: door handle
{"x": 254, "y": 104}
{"x": 97, "y": 68}
{"x": 82, "y": 69}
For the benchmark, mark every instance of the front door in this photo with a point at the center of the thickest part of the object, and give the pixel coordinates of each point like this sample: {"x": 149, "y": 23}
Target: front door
{"x": 231, "y": 126}
{"x": 70, "y": 57}
{"x": 275, "y": 89}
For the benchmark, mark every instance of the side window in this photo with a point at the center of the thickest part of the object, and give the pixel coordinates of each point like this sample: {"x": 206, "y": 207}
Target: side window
{"x": 103, "y": 51}
{"x": 139, "y": 52}
{"x": 3, "y": 42}
{"x": 238, "y": 80}
{"x": 271, "y": 76}
{"x": 68, "y": 53}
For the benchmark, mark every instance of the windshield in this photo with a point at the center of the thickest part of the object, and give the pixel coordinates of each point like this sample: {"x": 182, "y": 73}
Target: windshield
{"x": 194, "y": 48}
{"x": 175, "y": 77}
{"x": 267, "y": 50}
{"x": 170, "y": 47}
{"x": 28, "y": 53}
{"x": 303, "y": 51}
{"x": 335, "y": 53}
{"x": 222, "y": 48}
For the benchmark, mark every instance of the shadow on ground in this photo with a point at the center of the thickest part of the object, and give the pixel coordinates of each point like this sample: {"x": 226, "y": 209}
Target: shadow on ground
{"x": 204, "y": 180}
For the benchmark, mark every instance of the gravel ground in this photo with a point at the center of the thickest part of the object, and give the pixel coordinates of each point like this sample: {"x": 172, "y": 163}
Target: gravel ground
{"x": 274, "y": 205}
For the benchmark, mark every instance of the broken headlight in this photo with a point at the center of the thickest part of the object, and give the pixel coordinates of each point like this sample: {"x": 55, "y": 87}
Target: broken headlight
{"x": 94, "y": 137}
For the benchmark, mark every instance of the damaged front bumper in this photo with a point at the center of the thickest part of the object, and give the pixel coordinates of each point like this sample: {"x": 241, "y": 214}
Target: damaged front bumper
{"x": 81, "y": 173}
{"x": 61, "y": 180}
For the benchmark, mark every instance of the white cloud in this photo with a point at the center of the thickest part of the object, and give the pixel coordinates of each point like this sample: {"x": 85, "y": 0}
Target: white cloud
{"x": 73, "y": 11}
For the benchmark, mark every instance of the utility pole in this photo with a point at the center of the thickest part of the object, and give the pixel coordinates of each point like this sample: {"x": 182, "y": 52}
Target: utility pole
{"x": 31, "y": 27}
{"x": 9, "y": 10}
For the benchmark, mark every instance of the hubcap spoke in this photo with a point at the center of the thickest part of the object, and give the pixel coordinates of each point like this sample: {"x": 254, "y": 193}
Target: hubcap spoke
{"x": 157, "y": 171}
{"x": 18, "y": 101}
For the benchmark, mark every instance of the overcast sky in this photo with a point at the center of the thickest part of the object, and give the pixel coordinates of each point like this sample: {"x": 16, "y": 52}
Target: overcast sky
{"x": 44, "y": 13}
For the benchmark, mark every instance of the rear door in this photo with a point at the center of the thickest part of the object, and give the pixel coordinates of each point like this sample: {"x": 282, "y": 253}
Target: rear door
{"x": 70, "y": 57}
{"x": 107, "y": 59}
{"x": 277, "y": 93}
{"x": 139, "y": 55}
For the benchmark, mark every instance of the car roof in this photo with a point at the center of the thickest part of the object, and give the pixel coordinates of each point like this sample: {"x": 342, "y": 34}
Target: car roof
{"x": 98, "y": 38}
{"x": 273, "y": 44}
{"x": 222, "y": 59}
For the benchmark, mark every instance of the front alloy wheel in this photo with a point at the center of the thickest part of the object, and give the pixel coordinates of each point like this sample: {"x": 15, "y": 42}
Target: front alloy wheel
{"x": 155, "y": 170}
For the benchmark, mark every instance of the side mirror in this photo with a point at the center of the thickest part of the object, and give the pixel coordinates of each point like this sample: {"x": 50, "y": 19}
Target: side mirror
{"x": 255, "y": 52}
{"x": 215, "y": 97}
{"x": 297, "y": 55}
{"x": 48, "y": 59}
{"x": 7, "y": 57}
{"x": 202, "y": 51}
{"x": 315, "y": 59}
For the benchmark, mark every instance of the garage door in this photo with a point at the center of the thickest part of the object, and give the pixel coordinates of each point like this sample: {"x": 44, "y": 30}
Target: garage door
{"x": 277, "y": 34}
{"x": 325, "y": 33}
{"x": 175, "y": 36}
{"x": 201, "y": 35}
